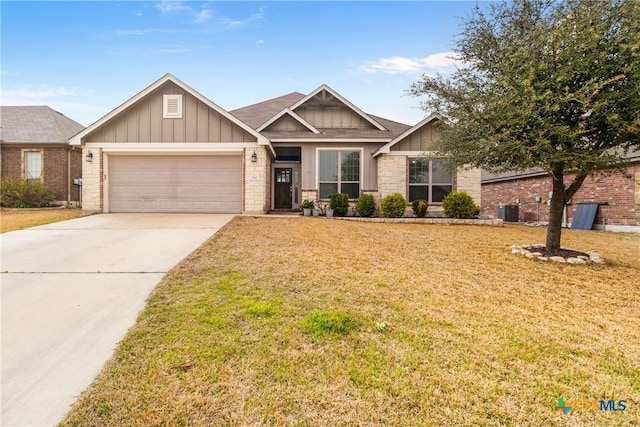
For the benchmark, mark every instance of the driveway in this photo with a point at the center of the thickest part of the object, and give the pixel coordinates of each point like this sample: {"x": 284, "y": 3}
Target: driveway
{"x": 70, "y": 292}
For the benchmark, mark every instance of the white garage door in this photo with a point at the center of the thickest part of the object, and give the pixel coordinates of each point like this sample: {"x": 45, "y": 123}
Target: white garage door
{"x": 175, "y": 184}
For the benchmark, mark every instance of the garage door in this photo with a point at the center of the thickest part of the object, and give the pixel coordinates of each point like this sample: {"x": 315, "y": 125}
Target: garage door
{"x": 175, "y": 184}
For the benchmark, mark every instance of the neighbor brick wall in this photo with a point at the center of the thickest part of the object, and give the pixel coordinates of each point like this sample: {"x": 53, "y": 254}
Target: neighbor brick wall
{"x": 621, "y": 190}
{"x": 54, "y": 173}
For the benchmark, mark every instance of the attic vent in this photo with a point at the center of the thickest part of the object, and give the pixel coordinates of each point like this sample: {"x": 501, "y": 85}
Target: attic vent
{"x": 172, "y": 106}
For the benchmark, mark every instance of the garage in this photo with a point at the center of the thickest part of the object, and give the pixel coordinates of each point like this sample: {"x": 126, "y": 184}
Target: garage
{"x": 175, "y": 183}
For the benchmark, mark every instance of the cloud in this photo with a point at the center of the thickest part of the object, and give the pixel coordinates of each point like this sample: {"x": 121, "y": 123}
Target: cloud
{"x": 37, "y": 96}
{"x": 440, "y": 62}
{"x": 171, "y": 6}
{"x": 259, "y": 41}
{"x": 203, "y": 16}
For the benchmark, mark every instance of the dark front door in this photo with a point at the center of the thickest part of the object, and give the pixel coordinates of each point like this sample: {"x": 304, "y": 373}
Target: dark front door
{"x": 283, "y": 188}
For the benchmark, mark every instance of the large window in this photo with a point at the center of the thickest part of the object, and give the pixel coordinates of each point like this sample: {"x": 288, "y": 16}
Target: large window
{"x": 429, "y": 179}
{"x": 32, "y": 165}
{"x": 339, "y": 172}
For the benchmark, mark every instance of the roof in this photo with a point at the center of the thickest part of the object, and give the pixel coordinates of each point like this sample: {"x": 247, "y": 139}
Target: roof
{"x": 77, "y": 139}
{"x": 35, "y": 125}
{"x": 257, "y": 115}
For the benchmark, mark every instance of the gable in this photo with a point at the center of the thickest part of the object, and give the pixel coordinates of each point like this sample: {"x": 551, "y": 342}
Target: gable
{"x": 146, "y": 121}
{"x": 419, "y": 140}
{"x": 286, "y": 123}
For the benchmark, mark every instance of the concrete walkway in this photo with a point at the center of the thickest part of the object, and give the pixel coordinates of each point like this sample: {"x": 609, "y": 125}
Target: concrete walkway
{"x": 70, "y": 292}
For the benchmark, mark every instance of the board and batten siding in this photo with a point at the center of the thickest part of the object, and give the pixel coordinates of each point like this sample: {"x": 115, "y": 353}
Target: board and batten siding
{"x": 420, "y": 140}
{"x": 341, "y": 118}
{"x": 286, "y": 123}
{"x": 144, "y": 122}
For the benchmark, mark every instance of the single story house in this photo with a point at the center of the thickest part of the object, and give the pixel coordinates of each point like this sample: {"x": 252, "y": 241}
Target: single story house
{"x": 171, "y": 149}
{"x": 34, "y": 146}
{"x": 617, "y": 191}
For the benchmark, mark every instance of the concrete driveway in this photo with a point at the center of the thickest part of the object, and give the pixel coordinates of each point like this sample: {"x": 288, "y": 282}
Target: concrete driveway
{"x": 70, "y": 292}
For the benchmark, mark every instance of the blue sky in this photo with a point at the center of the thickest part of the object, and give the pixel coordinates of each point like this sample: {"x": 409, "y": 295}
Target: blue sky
{"x": 84, "y": 58}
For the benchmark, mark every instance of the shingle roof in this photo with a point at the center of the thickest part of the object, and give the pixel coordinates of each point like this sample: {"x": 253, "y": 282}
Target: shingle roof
{"x": 35, "y": 124}
{"x": 257, "y": 114}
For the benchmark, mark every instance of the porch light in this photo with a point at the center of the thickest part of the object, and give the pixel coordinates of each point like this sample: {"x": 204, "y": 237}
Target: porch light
{"x": 89, "y": 157}
{"x": 254, "y": 157}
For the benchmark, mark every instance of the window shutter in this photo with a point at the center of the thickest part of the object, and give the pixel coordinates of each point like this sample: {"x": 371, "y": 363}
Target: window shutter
{"x": 172, "y": 106}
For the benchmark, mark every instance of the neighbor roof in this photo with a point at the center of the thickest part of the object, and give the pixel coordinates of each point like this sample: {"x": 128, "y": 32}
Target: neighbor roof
{"x": 35, "y": 125}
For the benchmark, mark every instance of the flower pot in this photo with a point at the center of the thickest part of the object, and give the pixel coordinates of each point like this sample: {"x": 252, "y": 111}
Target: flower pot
{"x": 306, "y": 211}
{"x": 316, "y": 212}
{"x": 329, "y": 213}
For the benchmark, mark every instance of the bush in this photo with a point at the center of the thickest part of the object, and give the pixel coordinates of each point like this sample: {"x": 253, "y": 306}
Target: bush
{"x": 307, "y": 204}
{"x": 459, "y": 204}
{"x": 419, "y": 207}
{"x": 393, "y": 206}
{"x": 339, "y": 202}
{"x": 366, "y": 205}
{"x": 20, "y": 193}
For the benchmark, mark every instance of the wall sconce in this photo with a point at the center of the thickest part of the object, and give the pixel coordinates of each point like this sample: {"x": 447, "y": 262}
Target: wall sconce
{"x": 254, "y": 157}
{"x": 89, "y": 157}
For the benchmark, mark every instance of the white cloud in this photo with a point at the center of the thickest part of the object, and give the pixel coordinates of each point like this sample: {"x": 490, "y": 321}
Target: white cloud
{"x": 203, "y": 16}
{"x": 259, "y": 41}
{"x": 36, "y": 96}
{"x": 440, "y": 62}
{"x": 171, "y": 6}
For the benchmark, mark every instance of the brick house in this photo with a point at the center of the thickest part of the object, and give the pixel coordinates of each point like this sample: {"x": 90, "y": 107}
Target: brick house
{"x": 34, "y": 145}
{"x": 171, "y": 149}
{"x": 529, "y": 191}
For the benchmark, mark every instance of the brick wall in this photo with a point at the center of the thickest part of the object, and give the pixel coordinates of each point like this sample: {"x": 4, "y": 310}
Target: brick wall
{"x": 54, "y": 173}
{"x": 92, "y": 182}
{"x": 621, "y": 190}
{"x": 256, "y": 181}
{"x": 392, "y": 175}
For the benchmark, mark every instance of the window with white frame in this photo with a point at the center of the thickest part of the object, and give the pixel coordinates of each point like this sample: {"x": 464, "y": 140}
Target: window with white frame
{"x": 429, "y": 179}
{"x": 32, "y": 165}
{"x": 339, "y": 172}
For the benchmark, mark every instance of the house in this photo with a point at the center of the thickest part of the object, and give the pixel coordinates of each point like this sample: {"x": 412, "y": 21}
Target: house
{"x": 34, "y": 145}
{"x": 171, "y": 149}
{"x": 617, "y": 191}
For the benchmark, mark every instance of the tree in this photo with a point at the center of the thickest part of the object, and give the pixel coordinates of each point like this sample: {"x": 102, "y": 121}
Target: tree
{"x": 549, "y": 84}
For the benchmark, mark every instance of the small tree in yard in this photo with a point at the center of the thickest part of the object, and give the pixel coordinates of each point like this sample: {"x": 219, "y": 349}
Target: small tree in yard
{"x": 549, "y": 84}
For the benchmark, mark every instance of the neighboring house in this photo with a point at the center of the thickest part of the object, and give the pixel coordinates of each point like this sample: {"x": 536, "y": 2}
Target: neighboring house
{"x": 530, "y": 191}
{"x": 170, "y": 149}
{"x": 34, "y": 145}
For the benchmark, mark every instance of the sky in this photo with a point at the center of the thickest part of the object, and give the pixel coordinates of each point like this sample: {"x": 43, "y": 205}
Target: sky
{"x": 85, "y": 58}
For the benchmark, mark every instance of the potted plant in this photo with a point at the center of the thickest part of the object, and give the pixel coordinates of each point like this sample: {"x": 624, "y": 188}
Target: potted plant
{"x": 306, "y": 206}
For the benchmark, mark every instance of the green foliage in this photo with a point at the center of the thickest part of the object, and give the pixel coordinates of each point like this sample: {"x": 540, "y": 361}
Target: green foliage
{"x": 366, "y": 205}
{"x": 307, "y": 204}
{"x": 21, "y": 193}
{"x": 545, "y": 84}
{"x": 459, "y": 204}
{"x": 419, "y": 207}
{"x": 393, "y": 206}
{"x": 339, "y": 202}
{"x": 332, "y": 324}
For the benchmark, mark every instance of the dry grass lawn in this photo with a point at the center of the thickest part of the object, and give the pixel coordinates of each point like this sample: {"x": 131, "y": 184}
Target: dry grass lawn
{"x": 314, "y": 322}
{"x": 19, "y": 219}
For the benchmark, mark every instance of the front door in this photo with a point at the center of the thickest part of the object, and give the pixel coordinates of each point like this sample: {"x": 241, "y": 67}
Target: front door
{"x": 283, "y": 188}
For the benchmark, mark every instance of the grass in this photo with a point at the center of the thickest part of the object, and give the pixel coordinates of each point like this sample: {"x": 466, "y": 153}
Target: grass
{"x": 302, "y": 321}
{"x": 19, "y": 219}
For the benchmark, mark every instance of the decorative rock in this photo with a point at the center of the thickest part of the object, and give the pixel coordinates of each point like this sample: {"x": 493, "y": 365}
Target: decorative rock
{"x": 558, "y": 259}
{"x": 531, "y": 252}
{"x": 576, "y": 261}
{"x": 543, "y": 258}
{"x": 536, "y": 253}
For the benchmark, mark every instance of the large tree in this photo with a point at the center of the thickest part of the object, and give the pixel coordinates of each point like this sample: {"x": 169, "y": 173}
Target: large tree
{"x": 549, "y": 84}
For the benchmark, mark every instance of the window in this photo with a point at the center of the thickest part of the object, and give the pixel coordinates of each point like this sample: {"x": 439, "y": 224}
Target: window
{"x": 429, "y": 180}
{"x": 33, "y": 165}
{"x": 172, "y": 106}
{"x": 339, "y": 172}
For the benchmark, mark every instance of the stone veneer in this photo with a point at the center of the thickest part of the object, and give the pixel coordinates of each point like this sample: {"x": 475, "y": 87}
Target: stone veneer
{"x": 91, "y": 181}
{"x": 392, "y": 175}
{"x": 256, "y": 181}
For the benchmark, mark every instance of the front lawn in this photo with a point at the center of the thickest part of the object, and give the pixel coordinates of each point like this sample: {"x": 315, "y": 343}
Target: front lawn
{"x": 18, "y": 219}
{"x": 303, "y": 321}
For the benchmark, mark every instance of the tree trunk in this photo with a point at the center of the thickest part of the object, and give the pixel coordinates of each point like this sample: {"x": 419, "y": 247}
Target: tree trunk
{"x": 556, "y": 211}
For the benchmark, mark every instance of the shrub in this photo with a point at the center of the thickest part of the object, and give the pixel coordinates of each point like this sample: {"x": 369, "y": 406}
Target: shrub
{"x": 20, "y": 193}
{"x": 393, "y": 206}
{"x": 459, "y": 204}
{"x": 419, "y": 207}
{"x": 366, "y": 205}
{"x": 339, "y": 202}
